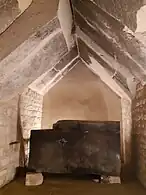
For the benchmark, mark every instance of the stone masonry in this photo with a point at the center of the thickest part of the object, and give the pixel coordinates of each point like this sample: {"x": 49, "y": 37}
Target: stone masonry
{"x": 30, "y": 114}
{"x": 139, "y": 133}
{"x": 9, "y": 150}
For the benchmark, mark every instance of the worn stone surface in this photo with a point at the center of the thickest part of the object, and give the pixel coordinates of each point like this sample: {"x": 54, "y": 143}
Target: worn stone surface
{"x": 102, "y": 68}
{"x": 110, "y": 34}
{"x": 46, "y": 81}
{"x": 139, "y": 133}
{"x": 30, "y": 45}
{"x": 125, "y": 11}
{"x": 38, "y": 14}
{"x": 9, "y": 154}
{"x": 33, "y": 179}
{"x": 86, "y": 52}
{"x": 30, "y": 115}
{"x": 19, "y": 69}
{"x": 10, "y": 10}
{"x": 31, "y": 111}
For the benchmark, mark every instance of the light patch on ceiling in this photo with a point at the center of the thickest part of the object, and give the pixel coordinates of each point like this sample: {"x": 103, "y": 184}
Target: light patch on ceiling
{"x": 141, "y": 17}
{"x": 24, "y": 4}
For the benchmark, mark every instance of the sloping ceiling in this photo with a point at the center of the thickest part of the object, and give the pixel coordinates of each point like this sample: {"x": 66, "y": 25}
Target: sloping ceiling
{"x": 39, "y": 52}
{"x": 10, "y": 10}
{"x": 105, "y": 32}
{"x": 38, "y": 14}
{"x": 40, "y": 57}
{"x": 124, "y": 11}
{"x": 101, "y": 33}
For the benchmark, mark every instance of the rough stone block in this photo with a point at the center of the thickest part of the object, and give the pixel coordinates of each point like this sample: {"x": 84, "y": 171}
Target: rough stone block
{"x": 110, "y": 180}
{"x": 34, "y": 179}
{"x": 114, "y": 180}
{"x": 31, "y": 113}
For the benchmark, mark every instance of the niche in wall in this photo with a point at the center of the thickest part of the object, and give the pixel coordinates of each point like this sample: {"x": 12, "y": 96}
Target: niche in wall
{"x": 80, "y": 95}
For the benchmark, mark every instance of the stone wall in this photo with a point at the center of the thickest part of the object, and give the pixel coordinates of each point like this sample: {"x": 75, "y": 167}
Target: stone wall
{"x": 139, "y": 133}
{"x": 40, "y": 53}
{"x": 30, "y": 114}
{"x": 9, "y": 152}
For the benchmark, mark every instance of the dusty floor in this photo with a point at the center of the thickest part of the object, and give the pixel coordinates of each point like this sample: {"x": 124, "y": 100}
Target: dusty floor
{"x": 71, "y": 187}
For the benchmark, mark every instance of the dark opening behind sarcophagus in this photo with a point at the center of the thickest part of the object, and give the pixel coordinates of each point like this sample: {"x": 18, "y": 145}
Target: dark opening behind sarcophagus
{"x": 83, "y": 147}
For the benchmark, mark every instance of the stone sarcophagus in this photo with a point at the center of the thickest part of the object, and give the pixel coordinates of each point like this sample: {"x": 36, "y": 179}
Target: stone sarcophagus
{"x": 78, "y": 147}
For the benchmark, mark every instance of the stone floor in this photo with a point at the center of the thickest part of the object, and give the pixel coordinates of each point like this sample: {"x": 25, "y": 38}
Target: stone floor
{"x": 72, "y": 187}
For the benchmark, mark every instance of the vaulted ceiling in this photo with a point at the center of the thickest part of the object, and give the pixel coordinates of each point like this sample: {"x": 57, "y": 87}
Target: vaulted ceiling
{"x": 106, "y": 35}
